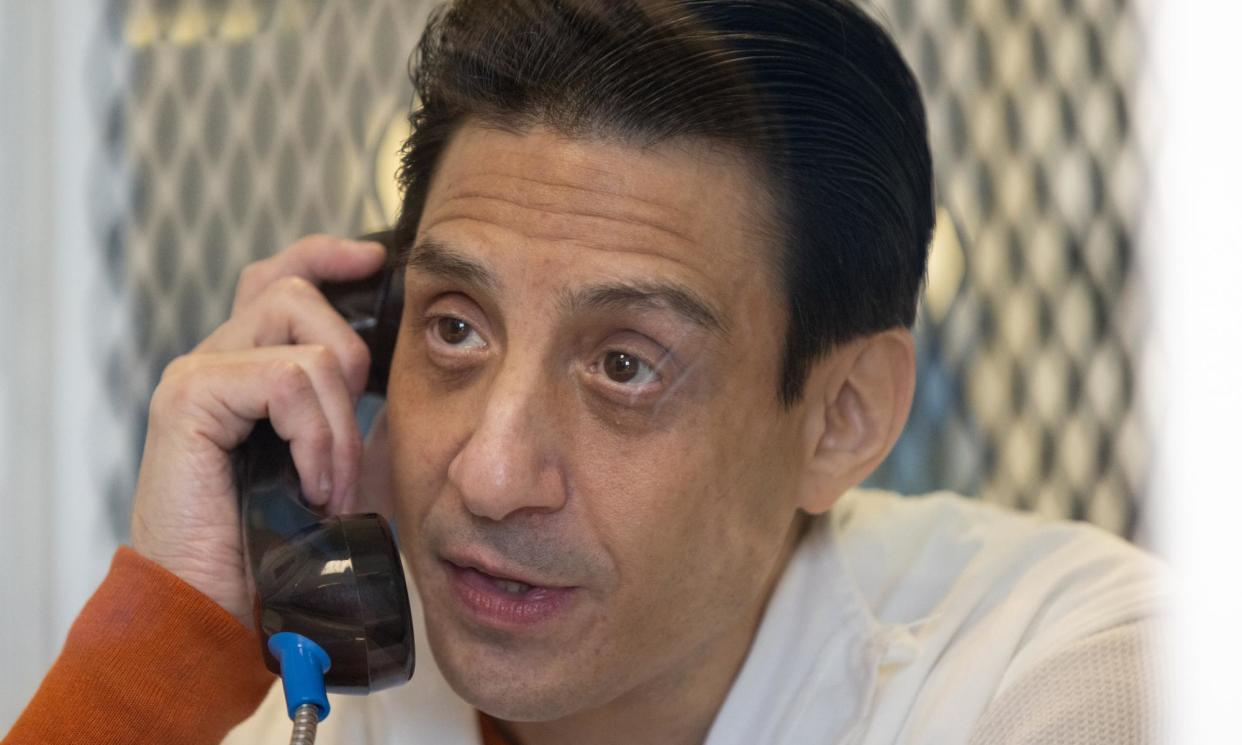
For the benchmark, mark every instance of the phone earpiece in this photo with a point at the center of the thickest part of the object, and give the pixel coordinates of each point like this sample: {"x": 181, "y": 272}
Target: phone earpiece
{"x": 336, "y": 580}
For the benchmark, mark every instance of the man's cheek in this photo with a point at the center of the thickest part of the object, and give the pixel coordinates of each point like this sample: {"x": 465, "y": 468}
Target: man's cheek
{"x": 419, "y": 479}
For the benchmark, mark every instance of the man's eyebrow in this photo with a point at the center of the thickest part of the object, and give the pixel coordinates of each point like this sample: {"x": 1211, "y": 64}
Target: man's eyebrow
{"x": 654, "y": 294}
{"x": 438, "y": 259}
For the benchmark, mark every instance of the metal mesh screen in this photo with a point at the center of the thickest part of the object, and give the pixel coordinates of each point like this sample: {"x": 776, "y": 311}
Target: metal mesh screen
{"x": 231, "y": 128}
{"x": 1031, "y": 329}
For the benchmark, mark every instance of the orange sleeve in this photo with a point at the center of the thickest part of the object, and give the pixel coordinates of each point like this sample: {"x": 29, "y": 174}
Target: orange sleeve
{"x": 490, "y": 730}
{"x": 149, "y": 660}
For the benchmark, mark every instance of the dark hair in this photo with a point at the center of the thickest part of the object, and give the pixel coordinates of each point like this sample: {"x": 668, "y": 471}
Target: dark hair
{"x": 814, "y": 92}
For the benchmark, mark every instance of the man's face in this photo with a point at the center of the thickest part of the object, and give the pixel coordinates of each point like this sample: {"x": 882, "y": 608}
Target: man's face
{"x": 594, "y": 480}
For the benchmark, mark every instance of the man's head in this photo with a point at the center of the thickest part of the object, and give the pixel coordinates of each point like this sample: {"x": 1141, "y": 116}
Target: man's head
{"x": 662, "y": 261}
{"x": 812, "y": 92}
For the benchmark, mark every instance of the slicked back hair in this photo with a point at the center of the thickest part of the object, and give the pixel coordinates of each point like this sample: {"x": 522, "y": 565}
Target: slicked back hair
{"x": 812, "y": 92}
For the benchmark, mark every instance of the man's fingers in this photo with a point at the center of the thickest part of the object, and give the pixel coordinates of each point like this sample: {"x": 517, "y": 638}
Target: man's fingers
{"x": 299, "y": 388}
{"x": 293, "y": 311}
{"x": 297, "y": 417}
{"x": 338, "y": 407}
{"x": 315, "y": 258}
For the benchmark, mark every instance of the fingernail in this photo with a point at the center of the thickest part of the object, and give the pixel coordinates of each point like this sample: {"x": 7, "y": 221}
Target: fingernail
{"x": 370, "y": 246}
{"x": 325, "y": 488}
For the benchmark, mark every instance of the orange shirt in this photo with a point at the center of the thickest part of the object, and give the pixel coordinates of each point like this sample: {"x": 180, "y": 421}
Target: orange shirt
{"x": 491, "y": 731}
{"x": 152, "y": 660}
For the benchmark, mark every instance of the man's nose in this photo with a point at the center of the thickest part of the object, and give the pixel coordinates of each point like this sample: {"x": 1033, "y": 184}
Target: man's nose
{"x": 506, "y": 465}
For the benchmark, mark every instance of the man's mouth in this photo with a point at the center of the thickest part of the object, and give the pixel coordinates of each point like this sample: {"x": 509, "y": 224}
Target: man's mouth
{"x": 511, "y": 586}
{"x": 498, "y": 598}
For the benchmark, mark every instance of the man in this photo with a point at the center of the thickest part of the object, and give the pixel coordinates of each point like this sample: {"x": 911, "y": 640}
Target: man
{"x": 661, "y": 263}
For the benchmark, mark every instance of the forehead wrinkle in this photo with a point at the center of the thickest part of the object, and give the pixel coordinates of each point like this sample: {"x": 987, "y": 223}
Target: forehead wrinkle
{"x": 572, "y": 200}
{"x": 567, "y": 185}
{"x": 602, "y": 237}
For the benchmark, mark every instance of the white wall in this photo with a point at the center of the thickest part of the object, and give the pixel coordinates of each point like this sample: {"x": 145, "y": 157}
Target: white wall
{"x": 1194, "y": 248}
{"x": 25, "y": 392}
{"x": 53, "y": 546}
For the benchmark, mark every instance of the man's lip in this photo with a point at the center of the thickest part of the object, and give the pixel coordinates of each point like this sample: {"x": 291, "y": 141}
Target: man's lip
{"x": 499, "y": 570}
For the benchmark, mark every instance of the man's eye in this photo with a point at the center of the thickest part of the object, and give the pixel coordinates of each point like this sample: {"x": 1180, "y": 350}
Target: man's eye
{"x": 456, "y": 332}
{"x": 628, "y": 370}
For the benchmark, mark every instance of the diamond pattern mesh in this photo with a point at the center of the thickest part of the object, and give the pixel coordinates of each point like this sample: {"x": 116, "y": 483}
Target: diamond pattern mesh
{"x": 1031, "y": 332}
{"x": 230, "y": 128}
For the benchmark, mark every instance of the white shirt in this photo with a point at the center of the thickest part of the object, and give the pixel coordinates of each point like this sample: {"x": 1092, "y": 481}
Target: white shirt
{"x": 898, "y": 620}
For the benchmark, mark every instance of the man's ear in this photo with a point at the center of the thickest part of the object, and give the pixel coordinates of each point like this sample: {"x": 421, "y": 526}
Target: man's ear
{"x": 859, "y": 398}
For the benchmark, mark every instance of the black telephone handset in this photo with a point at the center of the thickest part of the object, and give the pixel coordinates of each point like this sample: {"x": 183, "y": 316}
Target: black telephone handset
{"x": 336, "y": 580}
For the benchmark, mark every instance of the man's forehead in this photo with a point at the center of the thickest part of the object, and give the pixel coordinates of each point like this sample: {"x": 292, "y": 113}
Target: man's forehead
{"x": 691, "y": 205}
{"x": 678, "y": 186}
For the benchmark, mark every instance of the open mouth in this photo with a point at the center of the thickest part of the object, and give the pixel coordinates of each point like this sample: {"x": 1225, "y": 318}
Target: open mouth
{"x": 509, "y": 586}
{"x": 497, "y": 600}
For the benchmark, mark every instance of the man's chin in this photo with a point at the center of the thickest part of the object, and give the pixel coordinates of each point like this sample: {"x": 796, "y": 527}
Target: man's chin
{"x": 513, "y": 686}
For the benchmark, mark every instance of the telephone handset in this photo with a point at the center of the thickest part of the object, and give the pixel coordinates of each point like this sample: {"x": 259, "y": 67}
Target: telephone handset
{"x": 336, "y": 580}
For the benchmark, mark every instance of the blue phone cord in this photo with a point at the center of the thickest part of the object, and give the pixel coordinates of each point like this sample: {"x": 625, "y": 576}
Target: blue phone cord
{"x": 302, "y": 665}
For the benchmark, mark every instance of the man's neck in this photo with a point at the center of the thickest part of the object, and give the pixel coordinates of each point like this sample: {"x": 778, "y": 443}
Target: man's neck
{"x": 675, "y": 709}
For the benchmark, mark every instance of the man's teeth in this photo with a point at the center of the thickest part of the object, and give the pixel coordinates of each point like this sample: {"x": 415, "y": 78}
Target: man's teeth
{"x": 512, "y": 586}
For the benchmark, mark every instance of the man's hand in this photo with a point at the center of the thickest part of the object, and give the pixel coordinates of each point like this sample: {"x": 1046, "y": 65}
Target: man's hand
{"x": 285, "y": 355}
